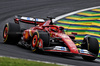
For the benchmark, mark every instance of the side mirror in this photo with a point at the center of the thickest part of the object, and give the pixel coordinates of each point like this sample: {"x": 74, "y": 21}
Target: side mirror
{"x": 51, "y": 23}
{"x": 74, "y": 33}
{"x": 50, "y": 17}
{"x": 16, "y": 20}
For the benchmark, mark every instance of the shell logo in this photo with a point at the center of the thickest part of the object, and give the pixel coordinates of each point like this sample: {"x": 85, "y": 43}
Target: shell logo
{"x": 26, "y": 35}
{"x": 68, "y": 40}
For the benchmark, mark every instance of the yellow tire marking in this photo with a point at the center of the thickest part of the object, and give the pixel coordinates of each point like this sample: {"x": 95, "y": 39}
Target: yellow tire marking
{"x": 7, "y": 35}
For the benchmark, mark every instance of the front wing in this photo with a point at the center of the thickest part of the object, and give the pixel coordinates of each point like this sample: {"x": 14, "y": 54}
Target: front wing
{"x": 60, "y": 49}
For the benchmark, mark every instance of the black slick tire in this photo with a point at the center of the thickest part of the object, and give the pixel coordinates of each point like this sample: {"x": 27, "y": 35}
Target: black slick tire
{"x": 91, "y": 45}
{"x": 13, "y": 33}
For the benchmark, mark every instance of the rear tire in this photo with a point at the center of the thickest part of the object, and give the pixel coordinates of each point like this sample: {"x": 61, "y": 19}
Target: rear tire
{"x": 92, "y": 45}
{"x": 11, "y": 33}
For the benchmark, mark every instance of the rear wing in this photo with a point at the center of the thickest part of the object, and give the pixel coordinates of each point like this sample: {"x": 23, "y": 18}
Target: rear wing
{"x": 29, "y": 20}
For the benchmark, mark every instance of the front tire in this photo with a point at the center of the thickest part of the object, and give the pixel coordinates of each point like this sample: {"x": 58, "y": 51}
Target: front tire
{"x": 39, "y": 40}
{"x": 92, "y": 45}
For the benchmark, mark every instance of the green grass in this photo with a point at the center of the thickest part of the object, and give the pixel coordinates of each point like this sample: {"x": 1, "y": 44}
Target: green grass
{"x": 5, "y": 61}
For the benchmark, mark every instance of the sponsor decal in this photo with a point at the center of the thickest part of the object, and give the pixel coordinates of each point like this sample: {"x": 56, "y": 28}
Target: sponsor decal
{"x": 83, "y": 51}
{"x": 60, "y": 48}
{"x": 68, "y": 40}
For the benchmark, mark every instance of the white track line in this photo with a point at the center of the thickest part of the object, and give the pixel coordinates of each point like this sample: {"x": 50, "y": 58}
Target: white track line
{"x": 40, "y": 61}
{"x": 57, "y": 18}
{"x": 71, "y": 13}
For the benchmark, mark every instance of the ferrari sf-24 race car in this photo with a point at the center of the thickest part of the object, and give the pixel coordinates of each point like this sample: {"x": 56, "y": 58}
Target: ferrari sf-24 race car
{"x": 45, "y": 36}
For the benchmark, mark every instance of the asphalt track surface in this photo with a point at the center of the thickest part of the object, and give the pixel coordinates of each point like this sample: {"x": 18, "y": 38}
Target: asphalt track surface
{"x": 40, "y": 8}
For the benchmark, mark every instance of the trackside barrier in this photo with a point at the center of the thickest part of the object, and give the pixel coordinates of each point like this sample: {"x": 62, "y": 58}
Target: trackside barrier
{"x": 84, "y": 23}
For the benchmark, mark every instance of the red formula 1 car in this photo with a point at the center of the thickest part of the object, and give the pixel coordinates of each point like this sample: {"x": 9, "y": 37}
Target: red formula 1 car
{"x": 45, "y": 36}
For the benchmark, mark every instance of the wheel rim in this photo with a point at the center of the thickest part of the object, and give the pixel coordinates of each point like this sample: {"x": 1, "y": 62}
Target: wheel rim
{"x": 5, "y": 32}
{"x": 34, "y": 41}
{"x": 40, "y": 43}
